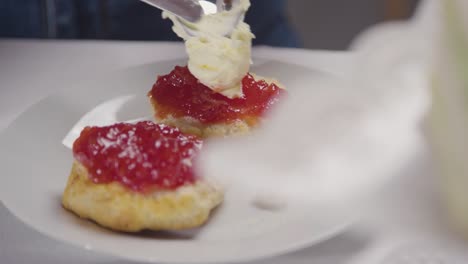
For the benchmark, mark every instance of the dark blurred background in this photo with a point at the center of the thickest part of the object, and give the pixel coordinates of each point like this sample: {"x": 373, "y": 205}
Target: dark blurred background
{"x": 313, "y": 24}
{"x": 331, "y": 24}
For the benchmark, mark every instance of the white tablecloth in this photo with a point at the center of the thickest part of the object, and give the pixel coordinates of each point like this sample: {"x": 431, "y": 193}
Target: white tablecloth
{"x": 403, "y": 225}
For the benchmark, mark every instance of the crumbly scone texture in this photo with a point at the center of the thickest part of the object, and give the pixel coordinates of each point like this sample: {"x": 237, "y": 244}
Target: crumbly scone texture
{"x": 192, "y": 126}
{"x": 116, "y": 207}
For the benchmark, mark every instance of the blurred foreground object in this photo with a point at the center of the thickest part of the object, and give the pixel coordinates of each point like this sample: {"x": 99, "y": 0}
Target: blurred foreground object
{"x": 448, "y": 119}
{"x": 338, "y": 140}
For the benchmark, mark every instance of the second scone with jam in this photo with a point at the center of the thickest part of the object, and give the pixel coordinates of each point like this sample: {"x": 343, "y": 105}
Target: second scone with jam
{"x": 132, "y": 177}
{"x": 180, "y": 100}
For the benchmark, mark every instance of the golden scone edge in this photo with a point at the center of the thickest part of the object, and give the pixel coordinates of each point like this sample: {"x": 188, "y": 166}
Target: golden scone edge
{"x": 114, "y": 206}
{"x": 192, "y": 126}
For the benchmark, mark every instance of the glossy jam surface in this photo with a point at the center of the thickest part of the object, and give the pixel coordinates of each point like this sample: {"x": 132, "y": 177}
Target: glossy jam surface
{"x": 180, "y": 94}
{"x": 142, "y": 156}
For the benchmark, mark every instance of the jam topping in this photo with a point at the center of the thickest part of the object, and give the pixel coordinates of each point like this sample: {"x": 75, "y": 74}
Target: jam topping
{"x": 180, "y": 94}
{"x": 142, "y": 156}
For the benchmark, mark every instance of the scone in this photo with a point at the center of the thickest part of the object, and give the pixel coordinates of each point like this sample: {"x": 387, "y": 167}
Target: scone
{"x": 180, "y": 100}
{"x": 131, "y": 177}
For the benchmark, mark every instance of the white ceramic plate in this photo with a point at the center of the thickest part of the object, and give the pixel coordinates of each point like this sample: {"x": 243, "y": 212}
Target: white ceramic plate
{"x": 35, "y": 166}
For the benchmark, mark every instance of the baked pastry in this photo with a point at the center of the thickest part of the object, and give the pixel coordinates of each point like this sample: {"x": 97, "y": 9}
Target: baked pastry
{"x": 180, "y": 100}
{"x": 131, "y": 177}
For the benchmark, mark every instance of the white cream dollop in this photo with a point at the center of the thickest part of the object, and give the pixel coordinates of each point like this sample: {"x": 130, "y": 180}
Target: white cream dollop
{"x": 218, "y": 58}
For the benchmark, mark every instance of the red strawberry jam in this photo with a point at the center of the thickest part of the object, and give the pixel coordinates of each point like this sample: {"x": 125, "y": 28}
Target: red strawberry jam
{"x": 141, "y": 156}
{"x": 180, "y": 94}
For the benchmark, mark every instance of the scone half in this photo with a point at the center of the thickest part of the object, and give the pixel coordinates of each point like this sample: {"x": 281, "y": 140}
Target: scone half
{"x": 114, "y": 206}
{"x": 193, "y": 126}
{"x": 180, "y": 100}
{"x": 132, "y": 177}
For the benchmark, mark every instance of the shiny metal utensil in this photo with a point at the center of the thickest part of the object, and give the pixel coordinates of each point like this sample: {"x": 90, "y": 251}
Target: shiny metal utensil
{"x": 192, "y": 10}
{"x": 189, "y": 10}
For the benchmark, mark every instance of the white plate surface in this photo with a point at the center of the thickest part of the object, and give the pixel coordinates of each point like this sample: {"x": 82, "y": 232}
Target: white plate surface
{"x": 35, "y": 166}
